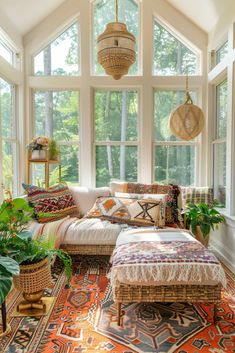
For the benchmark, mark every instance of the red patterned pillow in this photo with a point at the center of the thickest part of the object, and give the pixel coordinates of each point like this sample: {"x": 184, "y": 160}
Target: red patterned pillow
{"x": 140, "y": 212}
{"x": 53, "y": 203}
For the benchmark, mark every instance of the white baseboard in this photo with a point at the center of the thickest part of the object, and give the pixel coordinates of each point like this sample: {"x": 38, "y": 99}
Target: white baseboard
{"x": 223, "y": 258}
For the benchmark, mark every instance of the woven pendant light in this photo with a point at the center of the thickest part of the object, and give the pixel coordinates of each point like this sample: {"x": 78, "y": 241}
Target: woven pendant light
{"x": 186, "y": 121}
{"x": 116, "y": 48}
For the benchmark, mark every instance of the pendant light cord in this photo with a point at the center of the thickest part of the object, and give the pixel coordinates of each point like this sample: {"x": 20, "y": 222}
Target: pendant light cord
{"x": 188, "y": 99}
{"x": 116, "y": 10}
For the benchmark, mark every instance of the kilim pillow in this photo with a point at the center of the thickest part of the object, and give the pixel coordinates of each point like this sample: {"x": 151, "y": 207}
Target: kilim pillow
{"x": 157, "y": 197}
{"x": 172, "y": 192}
{"x": 53, "y": 203}
{"x": 140, "y": 212}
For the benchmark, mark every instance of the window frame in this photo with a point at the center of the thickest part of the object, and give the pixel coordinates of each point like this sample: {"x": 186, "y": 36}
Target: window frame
{"x": 216, "y": 140}
{"x": 13, "y": 140}
{"x": 53, "y": 38}
{"x": 8, "y": 43}
{"x": 60, "y": 143}
{"x": 156, "y": 143}
{"x": 116, "y": 143}
{"x": 180, "y": 37}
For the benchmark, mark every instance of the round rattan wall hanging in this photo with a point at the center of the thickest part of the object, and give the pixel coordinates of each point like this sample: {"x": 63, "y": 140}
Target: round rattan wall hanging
{"x": 187, "y": 121}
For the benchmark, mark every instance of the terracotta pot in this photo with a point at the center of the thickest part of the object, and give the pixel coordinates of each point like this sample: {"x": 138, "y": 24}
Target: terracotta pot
{"x": 200, "y": 237}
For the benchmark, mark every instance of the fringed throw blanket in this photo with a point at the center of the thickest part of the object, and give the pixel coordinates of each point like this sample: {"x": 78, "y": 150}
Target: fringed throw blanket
{"x": 163, "y": 257}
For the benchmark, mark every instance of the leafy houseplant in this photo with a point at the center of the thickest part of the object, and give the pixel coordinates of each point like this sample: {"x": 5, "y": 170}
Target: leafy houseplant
{"x": 17, "y": 245}
{"x": 8, "y": 268}
{"x": 53, "y": 150}
{"x": 201, "y": 218}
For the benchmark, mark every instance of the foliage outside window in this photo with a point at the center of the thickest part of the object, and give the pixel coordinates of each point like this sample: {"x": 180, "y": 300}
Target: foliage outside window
{"x": 221, "y": 52}
{"x": 171, "y": 56}
{"x": 60, "y": 57}
{"x": 57, "y": 116}
{"x": 8, "y": 146}
{"x": 174, "y": 160}
{"x": 219, "y": 143}
{"x": 104, "y": 12}
{"x": 116, "y": 136}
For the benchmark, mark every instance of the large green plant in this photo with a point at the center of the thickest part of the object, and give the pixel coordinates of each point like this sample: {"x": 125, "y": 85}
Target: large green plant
{"x": 8, "y": 268}
{"x": 17, "y": 245}
{"x": 203, "y": 216}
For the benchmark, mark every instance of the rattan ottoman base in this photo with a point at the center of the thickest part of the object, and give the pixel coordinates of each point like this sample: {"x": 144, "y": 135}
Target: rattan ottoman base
{"x": 127, "y": 293}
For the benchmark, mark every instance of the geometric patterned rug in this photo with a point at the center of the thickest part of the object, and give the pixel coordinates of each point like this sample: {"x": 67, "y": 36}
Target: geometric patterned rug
{"x": 83, "y": 318}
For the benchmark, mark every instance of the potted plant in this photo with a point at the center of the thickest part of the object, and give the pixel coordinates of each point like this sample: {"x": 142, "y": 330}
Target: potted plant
{"x": 8, "y": 268}
{"x": 38, "y": 147}
{"x": 33, "y": 256}
{"x": 53, "y": 150}
{"x": 201, "y": 218}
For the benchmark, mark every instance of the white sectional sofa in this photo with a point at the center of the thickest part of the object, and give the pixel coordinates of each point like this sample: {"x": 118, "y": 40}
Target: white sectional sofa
{"x": 85, "y": 235}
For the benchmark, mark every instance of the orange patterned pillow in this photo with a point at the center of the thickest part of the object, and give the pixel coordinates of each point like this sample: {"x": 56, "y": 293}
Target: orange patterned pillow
{"x": 140, "y": 212}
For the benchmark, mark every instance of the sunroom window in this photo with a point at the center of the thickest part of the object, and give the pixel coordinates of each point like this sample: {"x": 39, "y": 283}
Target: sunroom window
{"x": 174, "y": 160}
{"x": 8, "y": 146}
{"x": 171, "y": 56}
{"x": 60, "y": 57}
{"x": 116, "y": 135}
{"x": 219, "y": 143}
{"x": 221, "y": 52}
{"x": 57, "y": 116}
{"x": 103, "y": 13}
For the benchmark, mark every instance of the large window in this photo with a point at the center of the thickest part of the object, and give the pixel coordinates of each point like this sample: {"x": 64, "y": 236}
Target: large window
{"x": 116, "y": 135}
{"x": 57, "y": 116}
{"x": 220, "y": 142}
{"x": 171, "y": 56}
{"x": 174, "y": 160}
{"x": 103, "y": 13}
{"x": 60, "y": 57}
{"x": 221, "y": 52}
{"x": 8, "y": 173}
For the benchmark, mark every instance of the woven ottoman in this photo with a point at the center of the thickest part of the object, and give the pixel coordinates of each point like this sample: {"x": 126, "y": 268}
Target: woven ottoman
{"x": 165, "y": 265}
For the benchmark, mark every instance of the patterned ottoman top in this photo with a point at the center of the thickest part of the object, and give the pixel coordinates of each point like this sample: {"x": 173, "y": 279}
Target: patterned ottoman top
{"x": 157, "y": 257}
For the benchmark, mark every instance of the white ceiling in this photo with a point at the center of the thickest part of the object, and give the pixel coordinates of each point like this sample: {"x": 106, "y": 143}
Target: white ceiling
{"x": 204, "y": 13}
{"x": 25, "y": 14}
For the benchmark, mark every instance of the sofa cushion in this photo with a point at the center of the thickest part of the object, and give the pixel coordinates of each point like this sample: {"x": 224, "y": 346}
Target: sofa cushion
{"x": 133, "y": 211}
{"x": 74, "y": 231}
{"x": 172, "y": 192}
{"x": 91, "y": 232}
{"x": 53, "y": 203}
{"x": 85, "y": 197}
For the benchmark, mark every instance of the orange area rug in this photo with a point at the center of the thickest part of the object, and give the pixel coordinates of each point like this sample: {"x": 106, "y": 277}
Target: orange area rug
{"x": 84, "y": 319}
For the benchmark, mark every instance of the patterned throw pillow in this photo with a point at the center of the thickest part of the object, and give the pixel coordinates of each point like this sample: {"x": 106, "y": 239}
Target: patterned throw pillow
{"x": 140, "y": 212}
{"x": 196, "y": 194}
{"x": 157, "y": 197}
{"x": 172, "y": 192}
{"x": 51, "y": 204}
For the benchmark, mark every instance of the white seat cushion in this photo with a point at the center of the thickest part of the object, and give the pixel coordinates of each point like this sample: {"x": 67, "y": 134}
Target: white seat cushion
{"x": 91, "y": 232}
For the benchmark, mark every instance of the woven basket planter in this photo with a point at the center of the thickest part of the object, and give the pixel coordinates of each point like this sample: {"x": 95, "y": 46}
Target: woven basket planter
{"x": 34, "y": 277}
